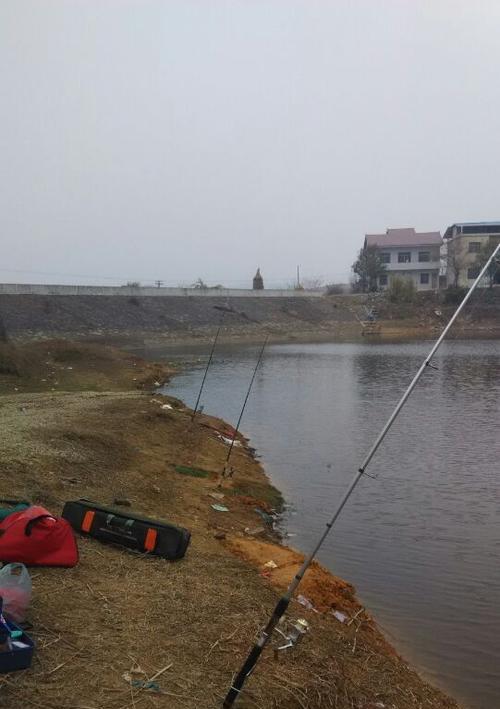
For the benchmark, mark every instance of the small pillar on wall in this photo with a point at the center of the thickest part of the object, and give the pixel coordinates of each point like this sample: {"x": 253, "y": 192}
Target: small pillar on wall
{"x": 258, "y": 281}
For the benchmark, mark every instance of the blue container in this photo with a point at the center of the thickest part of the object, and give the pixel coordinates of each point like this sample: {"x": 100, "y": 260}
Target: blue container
{"x": 18, "y": 658}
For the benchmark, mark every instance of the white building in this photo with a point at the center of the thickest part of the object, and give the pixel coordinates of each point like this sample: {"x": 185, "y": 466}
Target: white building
{"x": 409, "y": 254}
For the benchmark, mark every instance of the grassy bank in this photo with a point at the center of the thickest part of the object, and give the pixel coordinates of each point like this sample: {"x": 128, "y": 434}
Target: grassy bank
{"x": 80, "y": 420}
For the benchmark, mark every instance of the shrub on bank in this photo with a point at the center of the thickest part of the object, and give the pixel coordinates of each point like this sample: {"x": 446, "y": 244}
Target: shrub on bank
{"x": 454, "y": 295}
{"x": 334, "y": 289}
{"x": 402, "y": 290}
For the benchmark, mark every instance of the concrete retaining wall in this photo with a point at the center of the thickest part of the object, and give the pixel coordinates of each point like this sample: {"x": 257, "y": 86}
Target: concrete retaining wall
{"x": 40, "y": 289}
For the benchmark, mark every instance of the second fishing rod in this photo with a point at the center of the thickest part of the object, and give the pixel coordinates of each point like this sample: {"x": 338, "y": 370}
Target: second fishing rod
{"x": 227, "y": 472}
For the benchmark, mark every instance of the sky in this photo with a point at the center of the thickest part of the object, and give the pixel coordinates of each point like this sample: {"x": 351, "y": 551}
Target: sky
{"x": 185, "y": 139}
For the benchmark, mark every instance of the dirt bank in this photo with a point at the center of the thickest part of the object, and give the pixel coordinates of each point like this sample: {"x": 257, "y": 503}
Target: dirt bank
{"x": 100, "y": 433}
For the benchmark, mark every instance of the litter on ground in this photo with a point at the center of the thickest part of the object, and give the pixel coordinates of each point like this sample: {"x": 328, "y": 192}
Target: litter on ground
{"x": 220, "y": 508}
{"x": 268, "y": 519}
{"x": 254, "y": 532}
{"x": 341, "y": 617}
{"x": 306, "y": 603}
{"x": 229, "y": 441}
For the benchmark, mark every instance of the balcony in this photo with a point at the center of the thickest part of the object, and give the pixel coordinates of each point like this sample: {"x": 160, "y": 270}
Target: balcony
{"x": 413, "y": 266}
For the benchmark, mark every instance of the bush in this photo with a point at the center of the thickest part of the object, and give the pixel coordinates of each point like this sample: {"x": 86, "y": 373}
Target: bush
{"x": 454, "y": 295}
{"x": 402, "y": 290}
{"x": 8, "y": 364}
{"x": 334, "y": 289}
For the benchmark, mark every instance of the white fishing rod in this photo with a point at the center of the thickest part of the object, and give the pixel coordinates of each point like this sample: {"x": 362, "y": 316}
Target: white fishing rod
{"x": 284, "y": 601}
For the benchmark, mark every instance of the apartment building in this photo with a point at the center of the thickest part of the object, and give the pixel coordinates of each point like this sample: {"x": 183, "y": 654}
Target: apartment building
{"x": 463, "y": 244}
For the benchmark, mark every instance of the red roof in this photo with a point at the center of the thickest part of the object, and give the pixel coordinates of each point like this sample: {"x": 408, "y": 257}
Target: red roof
{"x": 404, "y": 237}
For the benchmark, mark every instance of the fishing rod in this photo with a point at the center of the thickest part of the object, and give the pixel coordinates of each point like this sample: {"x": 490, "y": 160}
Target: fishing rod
{"x": 195, "y": 410}
{"x": 235, "y": 432}
{"x": 284, "y": 601}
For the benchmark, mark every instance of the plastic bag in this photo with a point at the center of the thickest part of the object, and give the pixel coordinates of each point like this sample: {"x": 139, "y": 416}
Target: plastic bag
{"x": 15, "y": 590}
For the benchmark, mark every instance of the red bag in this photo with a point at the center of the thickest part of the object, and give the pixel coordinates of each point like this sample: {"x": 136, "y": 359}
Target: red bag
{"x": 35, "y": 537}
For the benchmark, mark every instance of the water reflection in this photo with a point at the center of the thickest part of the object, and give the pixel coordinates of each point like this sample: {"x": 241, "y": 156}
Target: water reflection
{"x": 422, "y": 541}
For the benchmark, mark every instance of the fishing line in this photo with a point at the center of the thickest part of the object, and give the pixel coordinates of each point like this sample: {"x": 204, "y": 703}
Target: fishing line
{"x": 235, "y": 432}
{"x": 195, "y": 410}
{"x": 284, "y": 601}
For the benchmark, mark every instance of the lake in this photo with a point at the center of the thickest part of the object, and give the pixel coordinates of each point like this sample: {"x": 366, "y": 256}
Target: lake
{"x": 421, "y": 540}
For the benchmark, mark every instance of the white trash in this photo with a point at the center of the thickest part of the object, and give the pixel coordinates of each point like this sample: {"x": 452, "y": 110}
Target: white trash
{"x": 15, "y": 589}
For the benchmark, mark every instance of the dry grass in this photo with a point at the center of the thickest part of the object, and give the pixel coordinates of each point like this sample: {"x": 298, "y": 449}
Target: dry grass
{"x": 57, "y": 365}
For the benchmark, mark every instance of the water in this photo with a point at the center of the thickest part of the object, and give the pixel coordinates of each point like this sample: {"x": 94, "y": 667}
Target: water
{"x": 421, "y": 542}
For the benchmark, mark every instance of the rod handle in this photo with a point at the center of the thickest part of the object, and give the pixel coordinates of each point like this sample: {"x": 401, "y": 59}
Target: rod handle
{"x": 255, "y": 652}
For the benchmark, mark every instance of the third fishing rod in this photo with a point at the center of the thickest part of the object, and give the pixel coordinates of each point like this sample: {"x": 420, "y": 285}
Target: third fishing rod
{"x": 284, "y": 601}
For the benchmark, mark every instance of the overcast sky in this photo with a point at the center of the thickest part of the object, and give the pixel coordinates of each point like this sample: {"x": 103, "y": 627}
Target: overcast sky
{"x": 177, "y": 139}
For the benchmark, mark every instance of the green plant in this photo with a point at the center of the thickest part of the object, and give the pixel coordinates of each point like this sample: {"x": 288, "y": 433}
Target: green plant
{"x": 482, "y": 258}
{"x": 454, "y": 295}
{"x": 368, "y": 267}
{"x": 334, "y": 289}
{"x": 402, "y": 290}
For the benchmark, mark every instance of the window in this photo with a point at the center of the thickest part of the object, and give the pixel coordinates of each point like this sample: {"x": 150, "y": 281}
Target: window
{"x": 424, "y": 279}
{"x": 473, "y": 272}
{"x": 382, "y": 280}
{"x": 481, "y": 229}
{"x": 474, "y": 247}
{"x": 424, "y": 256}
{"x": 385, "y": 257}
{"x": 404, "y": 257}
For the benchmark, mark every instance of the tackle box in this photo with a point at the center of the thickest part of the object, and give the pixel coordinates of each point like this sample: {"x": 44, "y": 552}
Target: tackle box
{"x": 21, "y": 653}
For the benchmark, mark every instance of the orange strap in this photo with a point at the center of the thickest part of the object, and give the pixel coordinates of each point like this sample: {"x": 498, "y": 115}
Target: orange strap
{"x": 87, "y": 520}
{"x": 150, "y": 541}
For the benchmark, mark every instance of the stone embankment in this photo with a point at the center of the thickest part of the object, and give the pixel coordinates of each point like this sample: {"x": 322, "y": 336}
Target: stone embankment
{"x": 284, "y": 315}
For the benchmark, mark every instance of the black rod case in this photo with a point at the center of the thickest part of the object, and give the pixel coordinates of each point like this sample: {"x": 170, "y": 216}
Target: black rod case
{"x": 127, "y": 529}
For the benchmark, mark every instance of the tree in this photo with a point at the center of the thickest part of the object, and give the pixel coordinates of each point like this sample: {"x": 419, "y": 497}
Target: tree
{"x": 482, "y": 258}
{"x": 455, "y": 260}
{"x": 314, "y": 283}
{"x": 368, "y": 268}
{"x": 199, "y": 284}
{"x": 336, "y": 288}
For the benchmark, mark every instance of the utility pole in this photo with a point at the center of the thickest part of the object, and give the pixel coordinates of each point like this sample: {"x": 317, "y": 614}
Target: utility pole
{"x": 158, "y": 284}
{"x": 298, "y": 277}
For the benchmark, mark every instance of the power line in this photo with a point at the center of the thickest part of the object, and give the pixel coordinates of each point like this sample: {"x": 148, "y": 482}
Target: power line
{"x": 281, "y": 281}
